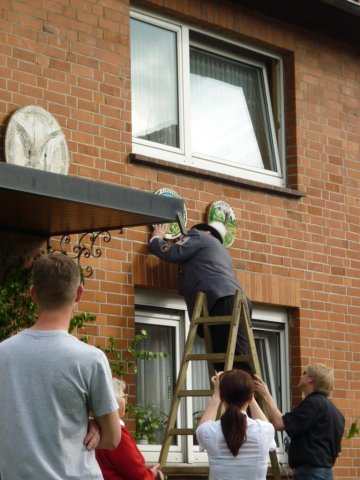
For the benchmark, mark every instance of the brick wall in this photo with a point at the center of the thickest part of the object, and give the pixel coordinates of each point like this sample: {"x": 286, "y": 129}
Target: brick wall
{"x": 72, "y": 57}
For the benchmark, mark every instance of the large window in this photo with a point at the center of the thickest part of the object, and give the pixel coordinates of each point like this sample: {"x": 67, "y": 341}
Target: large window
{"x": 165, "y": 319}
{"x": 199, "y": 100}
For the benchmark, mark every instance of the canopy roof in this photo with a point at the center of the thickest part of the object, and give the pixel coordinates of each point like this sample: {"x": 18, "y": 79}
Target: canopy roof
{"x": 46, "y": 204}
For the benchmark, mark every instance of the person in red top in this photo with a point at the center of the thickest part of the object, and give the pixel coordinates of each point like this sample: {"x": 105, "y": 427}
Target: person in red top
{"x": 126, "y": 461}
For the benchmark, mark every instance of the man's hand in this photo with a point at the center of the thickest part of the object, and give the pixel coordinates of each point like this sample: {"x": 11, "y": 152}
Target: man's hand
{"x": 275, "y": 415}
{"x": 160, "y": 230}
{"x": 92, "y": 437}
{"x": 260, "y": 387}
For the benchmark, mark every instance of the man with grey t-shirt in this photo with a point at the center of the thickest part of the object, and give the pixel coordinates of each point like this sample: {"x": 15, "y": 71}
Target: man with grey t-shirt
{"x": 49, "y": 382}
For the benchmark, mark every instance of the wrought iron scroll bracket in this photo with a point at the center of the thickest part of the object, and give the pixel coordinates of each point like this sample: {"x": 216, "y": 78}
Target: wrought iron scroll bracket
{"x": 86, "y": 246}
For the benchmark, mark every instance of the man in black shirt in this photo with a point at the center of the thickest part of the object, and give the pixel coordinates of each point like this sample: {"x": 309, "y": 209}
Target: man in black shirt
{"x": 315, "y": 426}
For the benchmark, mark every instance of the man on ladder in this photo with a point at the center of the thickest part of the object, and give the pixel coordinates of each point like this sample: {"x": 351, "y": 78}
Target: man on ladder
{"x": 205, "y": 266}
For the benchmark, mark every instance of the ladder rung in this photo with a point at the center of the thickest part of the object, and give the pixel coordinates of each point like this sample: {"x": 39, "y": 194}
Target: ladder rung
{"x": 182, "y": 431}
{"x": 242, "y": 358}
{"x": 195, "y": 393}
{"x": 205, "y": 356}
{"x": 186, "y": 470}
{"x": 215, "y": 357}
{"x": 225, "y": 319}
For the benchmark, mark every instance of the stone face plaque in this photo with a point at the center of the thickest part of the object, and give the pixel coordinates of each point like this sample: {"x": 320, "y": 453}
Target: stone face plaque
{"x": 34, "y": 139}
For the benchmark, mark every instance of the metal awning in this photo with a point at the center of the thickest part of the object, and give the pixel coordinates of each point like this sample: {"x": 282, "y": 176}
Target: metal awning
{"x": 47, "y": 204}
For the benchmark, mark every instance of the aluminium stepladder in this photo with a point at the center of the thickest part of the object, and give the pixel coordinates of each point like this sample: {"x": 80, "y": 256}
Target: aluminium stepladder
{"x": 240, "y": 315}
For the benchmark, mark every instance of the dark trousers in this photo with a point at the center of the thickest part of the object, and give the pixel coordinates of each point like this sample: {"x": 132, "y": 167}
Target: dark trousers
{"x": 220, "y": 333}
{"x": 307, "y": 472}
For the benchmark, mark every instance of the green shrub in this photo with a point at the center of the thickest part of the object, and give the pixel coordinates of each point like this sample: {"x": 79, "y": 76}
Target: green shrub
{"x": 147, "y": 422}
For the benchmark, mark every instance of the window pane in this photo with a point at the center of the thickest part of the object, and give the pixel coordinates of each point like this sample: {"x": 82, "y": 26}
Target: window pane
{"x": 268, "y": 350}
{"x": 229, "y": 117}
{"x": 154, "y": 90}
{"x": 155, "y": 379}
{"x": 268, "y": 347}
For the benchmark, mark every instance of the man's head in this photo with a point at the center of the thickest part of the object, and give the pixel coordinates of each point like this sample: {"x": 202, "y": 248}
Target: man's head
{"x": 320, "y": 377}
{"x": 217, "y": 229}
{"x": 55, "y": 281}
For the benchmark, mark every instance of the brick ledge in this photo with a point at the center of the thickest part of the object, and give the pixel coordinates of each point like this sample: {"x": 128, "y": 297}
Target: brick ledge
{"x": 250, "y": 184}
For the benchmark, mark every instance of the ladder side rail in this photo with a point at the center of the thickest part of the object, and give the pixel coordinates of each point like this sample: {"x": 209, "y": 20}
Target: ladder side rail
{"x": 245, "y": 320}
{"x": 234, "y": 325}
{"x": 233, "y": 331}
{"x": 275, "y": 468}
{"x": 207, "y": 338}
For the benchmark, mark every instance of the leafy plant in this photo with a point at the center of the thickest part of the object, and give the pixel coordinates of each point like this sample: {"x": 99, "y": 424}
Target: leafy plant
{"x": 354, "y": 430}
{"x": 17, "y": 309}
{"x": 121, "y": 364}
{"x": 79, "y": 321}
{"x": 147, "y": 421}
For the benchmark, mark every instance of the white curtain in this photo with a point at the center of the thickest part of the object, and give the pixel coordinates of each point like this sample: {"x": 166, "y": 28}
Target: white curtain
{"x": 155, "y": 379}
{"x": 229, "y": 119}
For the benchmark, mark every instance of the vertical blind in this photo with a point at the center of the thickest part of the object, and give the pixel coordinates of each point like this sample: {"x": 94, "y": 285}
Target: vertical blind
{"x": 229, "y": 119}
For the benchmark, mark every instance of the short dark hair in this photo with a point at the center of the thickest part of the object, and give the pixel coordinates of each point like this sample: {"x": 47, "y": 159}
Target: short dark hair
{"x": 55, "y": 278}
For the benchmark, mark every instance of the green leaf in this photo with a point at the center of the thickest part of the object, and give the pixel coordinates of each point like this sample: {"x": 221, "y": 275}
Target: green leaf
{"x": 354, "y": 430}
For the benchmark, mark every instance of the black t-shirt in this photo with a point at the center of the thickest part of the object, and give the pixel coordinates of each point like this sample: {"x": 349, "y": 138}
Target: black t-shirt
{"x": 316, "y": 428}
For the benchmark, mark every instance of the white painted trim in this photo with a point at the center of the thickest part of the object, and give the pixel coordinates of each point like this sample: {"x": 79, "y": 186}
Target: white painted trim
{"x": 160, "y": 299}
{"x": 143, "y": 316}
{"x": 184, "y": 155}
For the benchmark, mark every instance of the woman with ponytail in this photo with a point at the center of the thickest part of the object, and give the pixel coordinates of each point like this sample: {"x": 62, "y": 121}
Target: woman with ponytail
{"x": 237, "y": 445}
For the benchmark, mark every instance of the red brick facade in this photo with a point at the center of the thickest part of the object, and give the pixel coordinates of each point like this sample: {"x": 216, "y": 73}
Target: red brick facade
{"x": 72, "y": 57}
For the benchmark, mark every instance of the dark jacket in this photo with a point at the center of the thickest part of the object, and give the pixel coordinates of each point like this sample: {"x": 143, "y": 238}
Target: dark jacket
{"x": 316, "y": 428}
{"x": 205, "y": 266}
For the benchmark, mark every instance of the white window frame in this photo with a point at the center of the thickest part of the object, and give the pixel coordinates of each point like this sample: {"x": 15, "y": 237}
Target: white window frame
{"x": 147, "y": 317}
{"x": 277, "y": 320}
{"x": 183, "y": 155}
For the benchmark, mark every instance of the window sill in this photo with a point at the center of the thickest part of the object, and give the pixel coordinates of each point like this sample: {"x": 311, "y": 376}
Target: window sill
{"x": 207, "y": 174}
